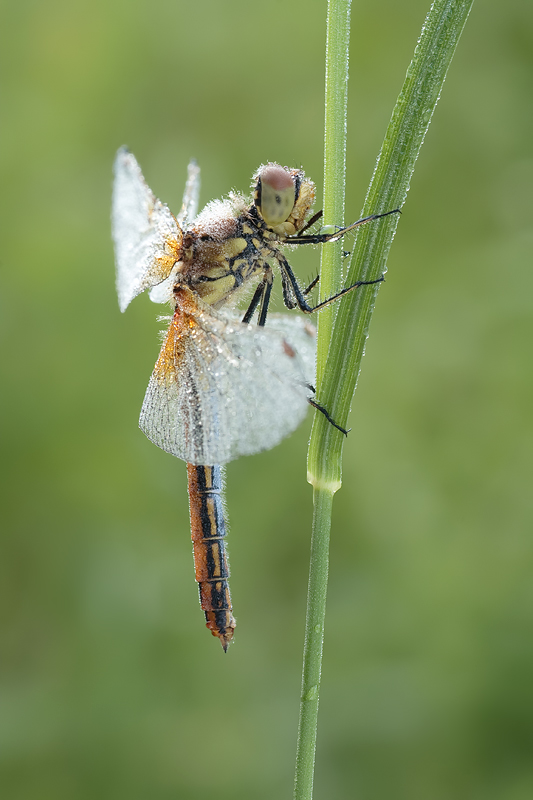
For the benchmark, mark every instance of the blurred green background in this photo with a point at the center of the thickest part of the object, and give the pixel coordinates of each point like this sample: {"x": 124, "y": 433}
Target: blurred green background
{"x": 111, "y": 685}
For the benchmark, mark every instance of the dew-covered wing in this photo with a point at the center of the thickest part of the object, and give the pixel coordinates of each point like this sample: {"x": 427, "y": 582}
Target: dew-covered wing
{"x": 162, "y": 293}
{"x": 221, "y": 389}
{"x": 191, "y": 195}
{"x": 146, "y": 235}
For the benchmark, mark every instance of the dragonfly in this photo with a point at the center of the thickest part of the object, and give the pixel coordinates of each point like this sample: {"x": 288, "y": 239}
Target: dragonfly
{"x": 222, "y": 387}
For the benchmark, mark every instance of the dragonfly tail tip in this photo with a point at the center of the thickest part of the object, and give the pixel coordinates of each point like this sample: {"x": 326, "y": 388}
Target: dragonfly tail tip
{"x": 225, "y": 639}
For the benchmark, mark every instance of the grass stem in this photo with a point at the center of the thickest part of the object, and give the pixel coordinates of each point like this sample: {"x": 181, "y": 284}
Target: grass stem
{"x": 341, "y": 338}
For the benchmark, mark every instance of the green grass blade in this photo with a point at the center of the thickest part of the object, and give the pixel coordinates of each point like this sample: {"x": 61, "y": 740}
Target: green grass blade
{"x": 388, "y": 189}
{"x": 336, "y": 107}
{"x": 342, "y": 339}
{"x": 336, "y": 102}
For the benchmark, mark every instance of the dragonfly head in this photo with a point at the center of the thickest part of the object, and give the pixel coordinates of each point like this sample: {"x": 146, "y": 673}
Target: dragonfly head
{"x": 283, "y": 198}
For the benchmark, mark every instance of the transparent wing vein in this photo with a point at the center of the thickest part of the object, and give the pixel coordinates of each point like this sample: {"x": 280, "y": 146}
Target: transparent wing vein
{"x": 228, "y": 389}
{"x": 146, "y": 235}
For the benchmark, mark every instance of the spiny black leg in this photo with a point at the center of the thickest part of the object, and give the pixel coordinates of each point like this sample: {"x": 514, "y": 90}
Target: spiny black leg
{"x": 288, "y": 294}
{"x": 355, "y": 285}
{"x": 321, "y": 238}
{"x": 303, "y": 305}
{"x": 311, "y": 222}
{"x": 316, "y": 404}
{"x": 286, "y": 270}
{"x": 327, "y": 415}
{"x": 312, "y": 285}
{"x": 261, "y": 295}
{"x": 254, "y": 302}
{"x": 268, "y": 279}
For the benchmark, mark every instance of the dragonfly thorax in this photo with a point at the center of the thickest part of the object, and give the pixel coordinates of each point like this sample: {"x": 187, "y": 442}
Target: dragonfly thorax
{"x": 221, "y": 251}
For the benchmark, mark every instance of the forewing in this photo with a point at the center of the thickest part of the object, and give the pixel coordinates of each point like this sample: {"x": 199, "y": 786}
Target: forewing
{"x": 221, "y": 389}
{"x": 146, "y": 235}
{"x": 162, "y": 293}
{"x": 191, "y": 195}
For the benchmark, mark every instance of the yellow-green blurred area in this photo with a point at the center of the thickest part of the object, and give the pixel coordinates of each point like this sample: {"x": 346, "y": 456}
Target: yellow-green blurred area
{"x": 111, "y": 685}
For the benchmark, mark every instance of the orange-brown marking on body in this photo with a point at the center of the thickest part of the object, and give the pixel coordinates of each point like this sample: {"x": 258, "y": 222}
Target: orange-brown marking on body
{"x": 177, "y": 339}
{"x": 209, "y": 551}
{"x": 173, "y": 348}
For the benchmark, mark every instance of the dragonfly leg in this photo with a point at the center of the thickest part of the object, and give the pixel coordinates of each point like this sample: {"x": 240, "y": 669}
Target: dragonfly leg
{"x": 299, "y": 294}
{"x": 261, "y": 296}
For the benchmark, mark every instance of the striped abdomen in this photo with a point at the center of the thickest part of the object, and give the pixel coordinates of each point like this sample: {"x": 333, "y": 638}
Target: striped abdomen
{"x": 208, "y": 530}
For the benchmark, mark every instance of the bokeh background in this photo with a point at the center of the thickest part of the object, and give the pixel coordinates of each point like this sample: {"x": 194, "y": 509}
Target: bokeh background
{"x": 111, "y": 686}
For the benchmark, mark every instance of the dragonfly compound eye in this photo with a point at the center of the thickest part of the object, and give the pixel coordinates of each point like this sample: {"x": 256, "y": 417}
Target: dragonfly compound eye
{"x": 276, "y": 195}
